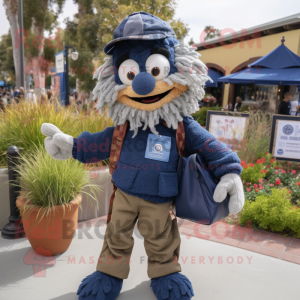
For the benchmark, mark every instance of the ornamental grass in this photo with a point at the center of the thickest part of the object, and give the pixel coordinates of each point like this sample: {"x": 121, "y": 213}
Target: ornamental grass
{"x": 20, "y": 125}
{"x": 257, "y": 136}
{"x": 46, "y": 182}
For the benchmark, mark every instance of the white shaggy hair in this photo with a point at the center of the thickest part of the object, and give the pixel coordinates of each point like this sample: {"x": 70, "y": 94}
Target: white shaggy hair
{"x": 191, "y": 72}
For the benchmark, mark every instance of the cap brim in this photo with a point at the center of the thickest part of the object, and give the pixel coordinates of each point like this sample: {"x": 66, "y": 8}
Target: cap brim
{"x": 109, "y": 46}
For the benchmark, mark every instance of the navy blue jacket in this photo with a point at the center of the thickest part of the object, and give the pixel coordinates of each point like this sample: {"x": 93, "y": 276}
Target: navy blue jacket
{"x": 150, "y": 179}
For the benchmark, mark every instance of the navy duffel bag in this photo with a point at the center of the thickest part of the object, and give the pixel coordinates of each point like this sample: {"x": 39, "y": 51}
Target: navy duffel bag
{"x": 196, "y": 186}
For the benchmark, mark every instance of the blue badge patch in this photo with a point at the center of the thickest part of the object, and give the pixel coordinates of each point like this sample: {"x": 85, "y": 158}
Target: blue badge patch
{"x": 158, "y": 147}
{"x": 288, "y": 129}
{"x": 279, "y": 151}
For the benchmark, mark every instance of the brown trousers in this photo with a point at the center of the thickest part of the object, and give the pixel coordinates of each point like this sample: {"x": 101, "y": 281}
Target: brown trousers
{"x": 161, "y": 237}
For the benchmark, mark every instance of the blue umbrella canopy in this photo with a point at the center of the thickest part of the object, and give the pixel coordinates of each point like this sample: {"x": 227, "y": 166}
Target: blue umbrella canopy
{"x": 280, "y": 58}
{"x": 280, "y": 66}
{"x": 290, "y": 76}
{"x": 214, "y": 75}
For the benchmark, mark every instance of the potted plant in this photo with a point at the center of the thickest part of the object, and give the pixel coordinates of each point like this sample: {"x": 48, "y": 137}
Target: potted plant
{"x": 49, "y": 200}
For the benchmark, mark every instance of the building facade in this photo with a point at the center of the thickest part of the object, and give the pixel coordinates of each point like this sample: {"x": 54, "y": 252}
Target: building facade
{"x": 234, "y": 51}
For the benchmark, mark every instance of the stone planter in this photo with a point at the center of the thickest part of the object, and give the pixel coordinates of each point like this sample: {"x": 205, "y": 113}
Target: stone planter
{"x": 101, "y": 177}
{"x": 4, "y": 197}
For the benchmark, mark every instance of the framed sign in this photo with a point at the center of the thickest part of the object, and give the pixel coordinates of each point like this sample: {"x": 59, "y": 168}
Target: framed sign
{"x": 59, "y": 62}
{"x": 60, "y": 77}
{"x": 229, "y": 128}
{"x": 285, "y": 138}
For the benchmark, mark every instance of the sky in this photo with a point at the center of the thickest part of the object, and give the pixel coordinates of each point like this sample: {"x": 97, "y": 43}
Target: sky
{"x": 233, "y": 14}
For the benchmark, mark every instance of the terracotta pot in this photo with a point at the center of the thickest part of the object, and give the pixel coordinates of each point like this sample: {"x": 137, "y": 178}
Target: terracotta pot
{"x": 52, "y": 234}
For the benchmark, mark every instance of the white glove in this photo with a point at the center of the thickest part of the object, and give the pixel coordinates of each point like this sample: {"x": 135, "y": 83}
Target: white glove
{"x": 231, "y": 184}
{"x": 57, "y": 144}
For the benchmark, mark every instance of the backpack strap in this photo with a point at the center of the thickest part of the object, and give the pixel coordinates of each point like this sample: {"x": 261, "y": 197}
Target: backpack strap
{"x": 115, "y": 152}
{"x": 116, "y": 145}
{"x": 180, "y": 137}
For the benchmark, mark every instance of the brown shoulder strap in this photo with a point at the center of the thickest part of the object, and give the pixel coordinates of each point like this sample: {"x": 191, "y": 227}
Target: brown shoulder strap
{"x": 180, "y": 137}
{"x": 116, "y": 145}
{"x": 115, "y": 152}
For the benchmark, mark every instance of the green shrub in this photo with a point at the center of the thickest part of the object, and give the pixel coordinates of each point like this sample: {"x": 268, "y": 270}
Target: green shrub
{"x": 252, "y": 173}
{"x": 272, "y": 212}
{"x": 196, "y": 115}
{"x": 294, "y": 221}
{"x": 244, "y": 108}
{"x": 200, "y": 115}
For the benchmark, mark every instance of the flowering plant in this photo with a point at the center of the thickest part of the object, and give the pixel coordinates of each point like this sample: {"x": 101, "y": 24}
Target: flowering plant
{"x": 209, "y": 99}
{"x": 257, "y": 189}
{"x": 272, "y": 192}
{"x": 267, "y": 174}
{"x": 285, "y": 177}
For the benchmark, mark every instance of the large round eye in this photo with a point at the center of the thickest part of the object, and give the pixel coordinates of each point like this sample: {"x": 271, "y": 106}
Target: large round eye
{"x": 158, "y": 66}
{"x": 128, "y": 70}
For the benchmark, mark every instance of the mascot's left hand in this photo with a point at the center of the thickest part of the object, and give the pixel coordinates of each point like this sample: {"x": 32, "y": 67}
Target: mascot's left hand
{"x": 231, "y": 184}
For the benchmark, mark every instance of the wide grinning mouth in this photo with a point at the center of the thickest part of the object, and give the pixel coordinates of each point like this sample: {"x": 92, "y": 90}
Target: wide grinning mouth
{"x": 151, "y": 99}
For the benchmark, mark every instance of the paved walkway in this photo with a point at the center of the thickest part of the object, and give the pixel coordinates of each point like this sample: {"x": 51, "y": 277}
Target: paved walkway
{"x": 271, "y": 244}
{"x": 217, "y": 271}
{"x": 260, "y": 241}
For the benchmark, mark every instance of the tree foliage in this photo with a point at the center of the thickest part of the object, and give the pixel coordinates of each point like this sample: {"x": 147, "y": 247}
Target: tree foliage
{"x": 38, "y": 16}
{"x": 89, "y": 30}
{"x": 211, "y": 32}
{"x": 41, "y": 13}
{"x": 191, "y": 42}
{"x": 6, "y": 57}
{"x": 92, "y": 28}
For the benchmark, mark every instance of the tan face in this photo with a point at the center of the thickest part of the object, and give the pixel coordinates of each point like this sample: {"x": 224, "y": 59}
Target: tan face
{"x": 162, "y": 93}
{"x": 146, "y": 89}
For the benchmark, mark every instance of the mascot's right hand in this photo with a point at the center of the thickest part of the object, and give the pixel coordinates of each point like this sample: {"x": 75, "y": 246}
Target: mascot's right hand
{"x": 57, "y": 144}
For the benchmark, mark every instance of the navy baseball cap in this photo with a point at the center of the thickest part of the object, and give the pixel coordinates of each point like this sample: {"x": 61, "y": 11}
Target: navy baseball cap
{"x": 140, "y": 26}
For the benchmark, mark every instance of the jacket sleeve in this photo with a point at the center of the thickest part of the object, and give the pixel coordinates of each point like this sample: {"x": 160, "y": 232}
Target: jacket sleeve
{"x": 219, "y": 159}
{"x": 93, "y": 147}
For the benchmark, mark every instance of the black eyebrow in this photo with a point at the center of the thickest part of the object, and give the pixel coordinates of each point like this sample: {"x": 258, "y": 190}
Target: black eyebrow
{"x": 162, "y": 51}
{"x": 121, "y": 59}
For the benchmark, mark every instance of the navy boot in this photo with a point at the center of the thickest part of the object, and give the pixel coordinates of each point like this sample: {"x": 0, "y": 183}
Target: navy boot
{"x": 99, "y": 286}
{"x": 172, "y": 287}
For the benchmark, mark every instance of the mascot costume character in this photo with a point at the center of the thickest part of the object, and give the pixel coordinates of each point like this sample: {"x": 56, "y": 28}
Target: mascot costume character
{"x": 151, "y": 84}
